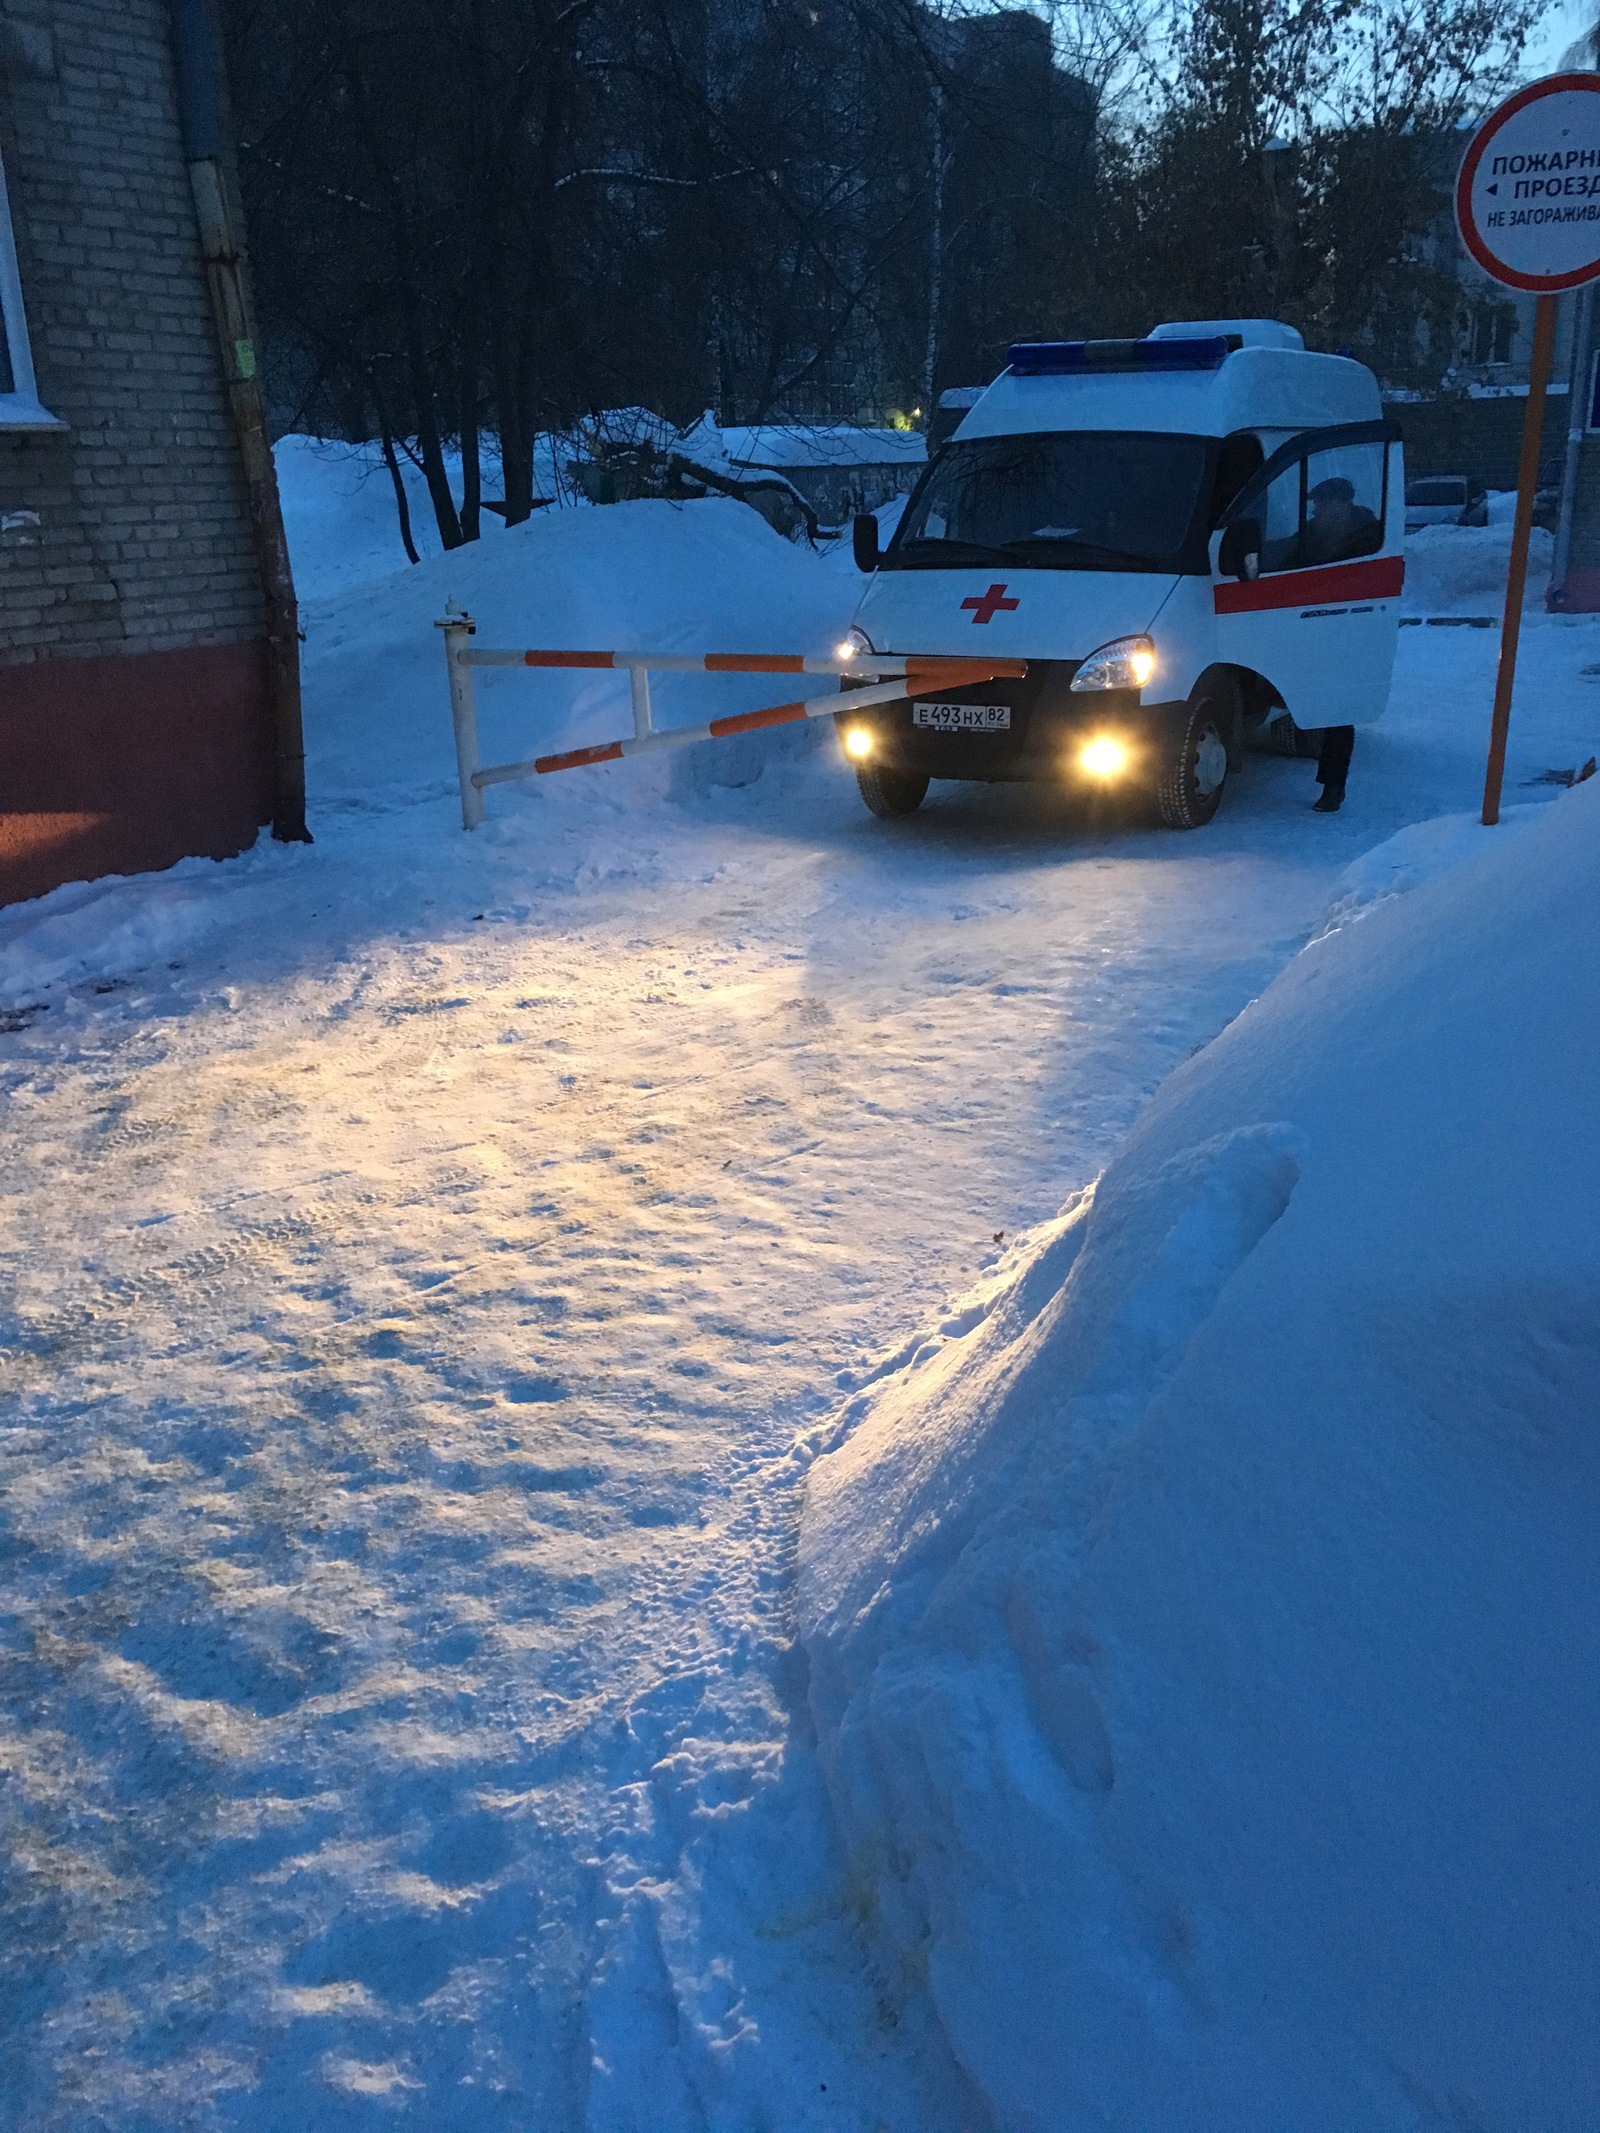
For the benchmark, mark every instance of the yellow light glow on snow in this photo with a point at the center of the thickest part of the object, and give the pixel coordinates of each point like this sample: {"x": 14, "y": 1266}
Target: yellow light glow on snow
{"x": 858, "y": 743}
{"x": 1105, "y": 756}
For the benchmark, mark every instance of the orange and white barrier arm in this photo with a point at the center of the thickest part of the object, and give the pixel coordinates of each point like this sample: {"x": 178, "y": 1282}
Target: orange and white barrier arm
{"x": 943, "y": 673}
{"x": 889, "y": 678}
{"x": 715, "y": 729}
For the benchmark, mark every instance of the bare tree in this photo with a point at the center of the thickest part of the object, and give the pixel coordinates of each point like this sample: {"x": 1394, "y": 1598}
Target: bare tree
{"x": 479, "y": 220}
{"x": 1295, "y": 157}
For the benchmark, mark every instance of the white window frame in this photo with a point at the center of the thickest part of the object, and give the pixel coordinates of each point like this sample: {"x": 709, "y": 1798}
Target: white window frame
{"x": 20, "y": 408}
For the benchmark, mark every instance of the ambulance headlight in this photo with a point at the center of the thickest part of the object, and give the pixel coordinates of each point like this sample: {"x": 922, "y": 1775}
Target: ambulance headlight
{"x": 854, "y": 644}
{"x": 858, "y": 744}
{"x": 1124, "y": 663}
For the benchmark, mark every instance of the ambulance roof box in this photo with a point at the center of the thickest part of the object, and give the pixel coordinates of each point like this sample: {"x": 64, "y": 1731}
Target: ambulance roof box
{"x": 1203, "y": 377}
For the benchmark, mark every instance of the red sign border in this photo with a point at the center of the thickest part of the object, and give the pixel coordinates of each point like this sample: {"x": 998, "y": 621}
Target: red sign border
{"x": 1496, "y": 269}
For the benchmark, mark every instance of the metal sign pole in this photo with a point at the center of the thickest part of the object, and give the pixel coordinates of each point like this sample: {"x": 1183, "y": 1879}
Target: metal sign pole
{"x": 1544, "y": 341}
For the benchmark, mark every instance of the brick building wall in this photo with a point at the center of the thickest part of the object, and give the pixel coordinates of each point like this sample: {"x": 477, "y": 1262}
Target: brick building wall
{"x": 134, "y": 720}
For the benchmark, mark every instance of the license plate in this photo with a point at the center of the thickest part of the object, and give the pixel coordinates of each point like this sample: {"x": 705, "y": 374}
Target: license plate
{"x": 963, "y": 718}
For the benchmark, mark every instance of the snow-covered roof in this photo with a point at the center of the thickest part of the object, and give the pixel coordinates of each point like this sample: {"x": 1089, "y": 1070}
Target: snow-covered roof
{"x": 775, "y": 444}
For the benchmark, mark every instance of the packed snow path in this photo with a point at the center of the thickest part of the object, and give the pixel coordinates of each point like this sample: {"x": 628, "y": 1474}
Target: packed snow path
{"x": 421, "y": 1257}
{"x": 409, "y": 1338}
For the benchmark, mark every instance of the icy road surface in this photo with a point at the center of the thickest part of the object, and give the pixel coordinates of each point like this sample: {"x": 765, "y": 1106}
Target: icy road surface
{"x": 421, "y": 1257}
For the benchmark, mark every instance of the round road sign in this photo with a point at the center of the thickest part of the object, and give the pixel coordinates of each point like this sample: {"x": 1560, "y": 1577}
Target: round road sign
{"x": 1528, "y": 197}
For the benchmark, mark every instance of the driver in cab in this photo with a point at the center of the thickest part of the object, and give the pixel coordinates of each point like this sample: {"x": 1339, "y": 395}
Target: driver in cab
{"x": 1339, "y": 527}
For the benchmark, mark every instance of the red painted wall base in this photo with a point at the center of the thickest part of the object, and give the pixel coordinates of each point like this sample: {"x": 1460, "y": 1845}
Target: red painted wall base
{"x": 120, "y": 765}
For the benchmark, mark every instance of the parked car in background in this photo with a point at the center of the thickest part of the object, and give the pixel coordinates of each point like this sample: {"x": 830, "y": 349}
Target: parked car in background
{"x": 1444, "y": 500}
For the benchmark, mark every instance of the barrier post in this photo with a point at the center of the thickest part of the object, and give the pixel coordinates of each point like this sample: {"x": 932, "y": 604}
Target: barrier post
{"x": 639, "y": 688}
{"x": 458, "y": 627}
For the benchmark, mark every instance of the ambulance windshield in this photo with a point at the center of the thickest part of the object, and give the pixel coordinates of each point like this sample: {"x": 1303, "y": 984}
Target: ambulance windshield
{"x": 1078, "y": 500}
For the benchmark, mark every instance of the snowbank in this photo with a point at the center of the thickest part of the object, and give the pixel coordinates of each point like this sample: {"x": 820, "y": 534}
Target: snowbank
{"x": 1461, "y": 570}
{"x": 107, "y": 928}
{"x": 340, "y": 516}
{"x": 1204, "y": 1633}
{"x": 699, "y": 577}
{"x": 1418, "y": 853}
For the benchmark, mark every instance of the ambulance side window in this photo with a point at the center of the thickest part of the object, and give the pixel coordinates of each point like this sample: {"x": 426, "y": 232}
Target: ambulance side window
{"x": 1325, "y": 503}
{"x": 1344, "y": 503}
{"x": 1278, "y": 511}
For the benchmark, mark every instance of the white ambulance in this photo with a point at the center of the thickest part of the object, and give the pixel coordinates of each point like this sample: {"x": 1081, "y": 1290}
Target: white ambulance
{"x": 1186, "y": 537}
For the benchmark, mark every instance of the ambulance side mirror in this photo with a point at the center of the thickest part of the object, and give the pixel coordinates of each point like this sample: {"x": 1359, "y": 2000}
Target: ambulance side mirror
{"x": 864, "y": 540}
{"x": 1239, "y": 553}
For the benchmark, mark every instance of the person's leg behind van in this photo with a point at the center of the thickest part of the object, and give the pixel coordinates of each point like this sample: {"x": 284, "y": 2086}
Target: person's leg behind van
{"x": 1333, "y": 766}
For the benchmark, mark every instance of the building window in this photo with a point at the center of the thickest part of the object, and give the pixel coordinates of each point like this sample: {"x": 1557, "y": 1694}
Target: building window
{"x": 1494, "y": 329}
{"x": 19, "y": 395}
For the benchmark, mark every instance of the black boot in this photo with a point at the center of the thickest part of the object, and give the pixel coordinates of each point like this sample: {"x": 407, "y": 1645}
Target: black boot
{"x": 1333, "y": 766}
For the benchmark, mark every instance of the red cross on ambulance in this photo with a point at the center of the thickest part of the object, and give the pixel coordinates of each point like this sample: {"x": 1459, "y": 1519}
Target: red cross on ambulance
{"x": 992, "y": 602}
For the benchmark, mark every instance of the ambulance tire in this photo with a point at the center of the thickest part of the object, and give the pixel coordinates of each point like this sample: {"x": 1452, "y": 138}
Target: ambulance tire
{"x": 1194, "y": 766}
{"x": 1284, "y": 737}
{"x": 890, "y": 792}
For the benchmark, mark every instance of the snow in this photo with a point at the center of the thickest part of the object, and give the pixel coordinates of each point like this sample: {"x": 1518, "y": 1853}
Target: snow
{"x": 702, "y": 577}
{"x": 429, "y": 1264}
{"x": 339, "y": 508}
{"x": 1205, "y": 1647}
{"x": 1461, "y": 570}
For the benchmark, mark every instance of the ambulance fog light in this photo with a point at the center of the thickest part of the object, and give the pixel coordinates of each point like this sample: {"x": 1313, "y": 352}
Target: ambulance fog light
{"x": 1124, "y": 663}
{"x": 1105, "y": 758}
{"x": 858, "y": 744}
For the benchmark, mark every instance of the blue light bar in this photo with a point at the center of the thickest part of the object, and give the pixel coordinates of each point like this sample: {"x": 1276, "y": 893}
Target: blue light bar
{"x": 1044, "y": 359}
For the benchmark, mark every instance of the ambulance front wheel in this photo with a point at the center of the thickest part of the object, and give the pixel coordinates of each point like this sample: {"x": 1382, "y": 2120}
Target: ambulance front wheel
{"x": 890, "y": 792}
{"x": 1194, "y": 765}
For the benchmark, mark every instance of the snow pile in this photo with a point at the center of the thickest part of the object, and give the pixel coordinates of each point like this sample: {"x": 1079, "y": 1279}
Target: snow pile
{"x": 340, "y": 515}
{"x": 697, "y": 577}
{"x": 1204, "y": 1634}
{"x": 1461, "y": 570}
{"x": 1418, "y": 853}
{"x": 92, "y": 930}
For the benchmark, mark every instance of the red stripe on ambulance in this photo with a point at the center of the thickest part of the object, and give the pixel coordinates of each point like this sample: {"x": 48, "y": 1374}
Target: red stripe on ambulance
{"x": 1379, "y": 578}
